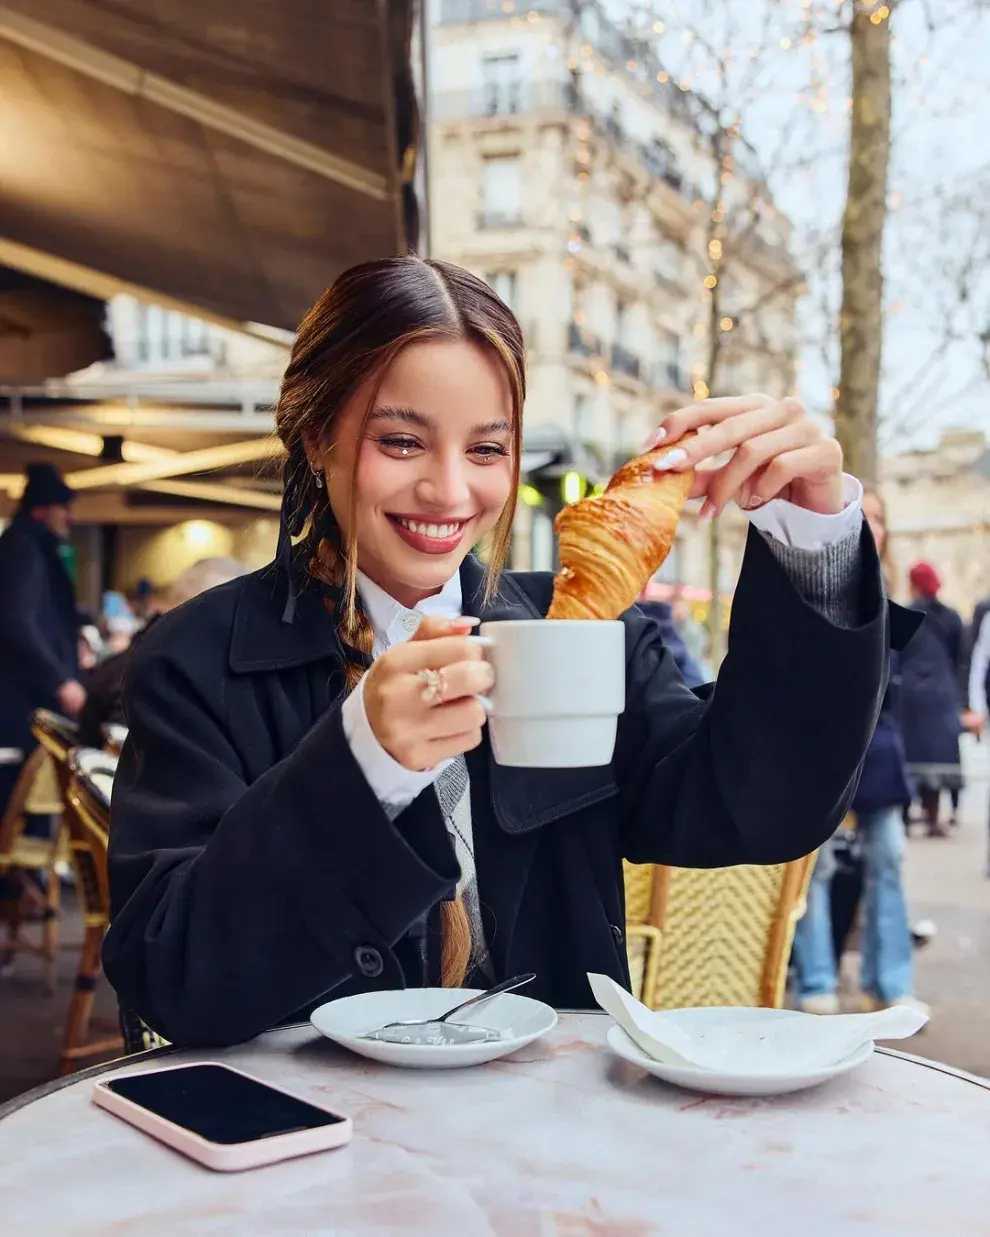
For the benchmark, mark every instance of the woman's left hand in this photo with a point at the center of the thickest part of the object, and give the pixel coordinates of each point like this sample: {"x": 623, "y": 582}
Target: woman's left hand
{"x": 777, "y": 452}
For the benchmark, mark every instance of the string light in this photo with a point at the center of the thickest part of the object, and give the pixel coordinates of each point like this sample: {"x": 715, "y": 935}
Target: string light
{"x": 726, "y": 324}
{"x": 711, "y": 281}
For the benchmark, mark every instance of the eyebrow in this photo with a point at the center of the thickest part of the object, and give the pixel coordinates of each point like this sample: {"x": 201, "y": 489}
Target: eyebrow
{"x": 411, "y": 416}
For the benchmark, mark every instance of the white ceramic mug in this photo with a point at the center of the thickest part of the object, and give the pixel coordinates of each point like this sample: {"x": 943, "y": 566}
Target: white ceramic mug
{"x": 559, "y": 689}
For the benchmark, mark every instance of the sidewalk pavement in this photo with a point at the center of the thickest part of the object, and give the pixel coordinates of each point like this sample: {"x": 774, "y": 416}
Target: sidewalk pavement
{"x": 947, "y": 882}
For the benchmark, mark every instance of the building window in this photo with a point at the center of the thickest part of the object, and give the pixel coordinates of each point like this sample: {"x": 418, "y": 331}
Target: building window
{"x": 621, "y": 322}
{"x": 502, "y": 192}
{"x": 195, "y": 338}
{"x": 582, "y": 417}
{"x": 501, "y": 85}
{"x": 141, "y": 332}
{"x": 503, "y": 284}
{"x": 669, "y": 361}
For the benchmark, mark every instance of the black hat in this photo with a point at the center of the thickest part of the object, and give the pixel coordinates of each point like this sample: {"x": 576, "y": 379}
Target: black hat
{"x": 45, "y": 488}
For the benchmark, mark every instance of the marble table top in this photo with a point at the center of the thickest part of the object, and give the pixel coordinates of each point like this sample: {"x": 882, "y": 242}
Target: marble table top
{"x": 562, "y": 1139}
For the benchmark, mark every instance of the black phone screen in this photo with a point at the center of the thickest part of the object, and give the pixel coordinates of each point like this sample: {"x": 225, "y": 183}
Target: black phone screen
{"x": 219, "y": 1104}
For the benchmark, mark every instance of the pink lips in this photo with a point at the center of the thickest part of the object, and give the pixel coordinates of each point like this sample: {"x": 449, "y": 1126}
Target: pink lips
{"x": 430, "y": 545}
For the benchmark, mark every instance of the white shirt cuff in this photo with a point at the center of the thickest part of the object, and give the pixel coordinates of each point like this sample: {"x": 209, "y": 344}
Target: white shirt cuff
{"x": 393, "y": 784}
{"x": 811, "y": 530}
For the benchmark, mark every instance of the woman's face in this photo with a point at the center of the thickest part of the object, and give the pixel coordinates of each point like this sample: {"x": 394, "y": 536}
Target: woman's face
{"x": 434, "y": 465}
{"x": 873, "y": 510}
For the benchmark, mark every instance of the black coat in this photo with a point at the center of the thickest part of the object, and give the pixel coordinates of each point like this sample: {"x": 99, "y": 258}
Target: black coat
{"x": 39, "y": 627}
{"x": 930, "y": 701}
{"x": 253, "y": 871}
{"x": 886, "y": 781}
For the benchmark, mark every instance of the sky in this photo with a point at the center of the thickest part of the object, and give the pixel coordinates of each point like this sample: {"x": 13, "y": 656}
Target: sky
{"x": 789, "y": 80}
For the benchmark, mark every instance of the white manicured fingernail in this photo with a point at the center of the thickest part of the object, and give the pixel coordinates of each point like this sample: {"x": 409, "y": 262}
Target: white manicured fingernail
{"x": 656, "y": 438}
{"x": 670, "y": 460}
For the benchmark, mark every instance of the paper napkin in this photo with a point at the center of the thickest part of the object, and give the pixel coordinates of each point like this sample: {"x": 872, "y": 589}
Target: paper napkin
{"x": 771, "y": 1045}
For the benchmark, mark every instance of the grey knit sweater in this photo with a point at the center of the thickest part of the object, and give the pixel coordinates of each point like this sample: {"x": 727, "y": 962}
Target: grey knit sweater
{"x": 827, "y": 579}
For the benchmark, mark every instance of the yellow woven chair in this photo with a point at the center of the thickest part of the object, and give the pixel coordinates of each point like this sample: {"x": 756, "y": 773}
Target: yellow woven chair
{"x": 643, "y": 939}
{"x": 23, "y": 859}
{"x": 57, "y": 735}
{"x": 725, "y": 934}
{"x": 87, "y": 818}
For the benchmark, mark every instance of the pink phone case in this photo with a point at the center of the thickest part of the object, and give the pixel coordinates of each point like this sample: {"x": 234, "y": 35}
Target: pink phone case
{"x": 222, "y": 1157}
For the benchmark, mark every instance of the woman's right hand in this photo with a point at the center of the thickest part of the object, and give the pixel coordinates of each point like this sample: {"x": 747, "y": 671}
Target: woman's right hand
{"x": 418, "y": 732}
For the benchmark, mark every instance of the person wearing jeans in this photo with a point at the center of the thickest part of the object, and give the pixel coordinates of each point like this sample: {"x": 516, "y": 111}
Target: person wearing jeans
{"x": 885, "y": 789}
{"x": 885, "y": 966}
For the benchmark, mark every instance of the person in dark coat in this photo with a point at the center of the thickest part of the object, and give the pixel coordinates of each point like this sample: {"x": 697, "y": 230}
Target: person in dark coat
{"x": 39, "y": 623}
{"x": 307, "y": 802}
{"x": 661, "y": 612}
{"x": 885, "y": 789}
{"x": 105, "y": 685}
{"x": 931, "y": 705}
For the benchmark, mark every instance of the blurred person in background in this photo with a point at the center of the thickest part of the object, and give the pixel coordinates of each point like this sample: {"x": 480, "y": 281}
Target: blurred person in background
{"x": 884, "y": 791}
{"x": 661, "y": 612}
{"x": 693, "y": 634}
{"x": 103, "y": 704}
{"x": 39, "y": 622}
{"x": 979, "y": 677}
{"x": 930, "y": 703}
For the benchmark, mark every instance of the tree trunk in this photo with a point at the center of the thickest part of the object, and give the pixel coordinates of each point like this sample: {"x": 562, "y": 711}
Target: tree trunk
{"x": 716, "y": 651}
{"x": 861, "y": 317}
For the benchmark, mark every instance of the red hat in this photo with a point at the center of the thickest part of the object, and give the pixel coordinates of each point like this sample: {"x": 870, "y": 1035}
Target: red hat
{"x": 925, "y": 579}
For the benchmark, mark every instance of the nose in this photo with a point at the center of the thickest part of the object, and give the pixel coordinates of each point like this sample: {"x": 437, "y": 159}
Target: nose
{"x": 444, "y": 484}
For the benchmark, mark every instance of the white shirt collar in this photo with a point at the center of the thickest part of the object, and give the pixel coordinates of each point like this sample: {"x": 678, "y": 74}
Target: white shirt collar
{"x": 392, "y": 622}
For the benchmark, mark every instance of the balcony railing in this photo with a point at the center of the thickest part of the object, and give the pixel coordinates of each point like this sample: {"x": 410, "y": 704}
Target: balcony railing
{"x": 625, "y": 362}
{"x": 479, "y": 10}
{"x": 499, "y": 218}
{"x": 509, "y": 99}
{"x": 582, "y": 341}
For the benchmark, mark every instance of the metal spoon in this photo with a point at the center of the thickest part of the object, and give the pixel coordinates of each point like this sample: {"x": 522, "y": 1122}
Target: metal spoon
{"x": 441, "y": 1030}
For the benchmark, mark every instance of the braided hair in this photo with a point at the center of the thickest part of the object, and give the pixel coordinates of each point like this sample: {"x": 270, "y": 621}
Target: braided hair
{"x": 354, "y": 331}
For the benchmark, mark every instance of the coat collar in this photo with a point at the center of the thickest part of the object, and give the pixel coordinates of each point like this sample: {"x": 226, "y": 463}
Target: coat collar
{"x": 260, "y": 641}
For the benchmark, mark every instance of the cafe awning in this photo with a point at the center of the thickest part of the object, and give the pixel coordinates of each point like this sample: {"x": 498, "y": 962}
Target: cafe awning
{"x": 224, "y": 157}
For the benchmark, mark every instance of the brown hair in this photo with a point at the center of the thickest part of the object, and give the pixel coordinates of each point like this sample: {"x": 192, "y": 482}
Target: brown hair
{"x": 357, "y": 328}
{"x": 886, "y": 561}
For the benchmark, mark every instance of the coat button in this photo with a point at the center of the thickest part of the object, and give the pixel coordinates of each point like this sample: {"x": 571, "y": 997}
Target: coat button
{"x": 369, "y": 961}
{"x": 617, "y": 934}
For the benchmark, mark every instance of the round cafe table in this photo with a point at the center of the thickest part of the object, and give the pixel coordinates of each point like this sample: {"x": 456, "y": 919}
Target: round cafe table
{"x": 562, "y": 1139}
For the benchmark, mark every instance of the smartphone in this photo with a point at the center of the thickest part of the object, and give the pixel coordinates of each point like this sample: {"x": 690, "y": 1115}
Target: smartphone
{"x": 221, "y": 1116}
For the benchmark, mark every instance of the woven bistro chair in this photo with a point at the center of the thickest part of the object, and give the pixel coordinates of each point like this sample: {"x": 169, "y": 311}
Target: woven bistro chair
{"x": 58, "y": 736}
{"x": 28, "y": 864}
{"x": 643, "y": 939}
{"x": 725, "y": 934}
{"x": 87, "y": 820}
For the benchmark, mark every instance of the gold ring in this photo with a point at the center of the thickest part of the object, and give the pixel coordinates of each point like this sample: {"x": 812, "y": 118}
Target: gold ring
{"x": 433, "y": 691}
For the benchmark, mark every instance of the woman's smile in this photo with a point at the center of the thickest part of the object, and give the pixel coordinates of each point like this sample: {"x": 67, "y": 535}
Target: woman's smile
{"x": 430, "y": 534}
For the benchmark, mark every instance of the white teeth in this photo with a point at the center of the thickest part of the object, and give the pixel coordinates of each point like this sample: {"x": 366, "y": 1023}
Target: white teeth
{"x": 439, "y": 531}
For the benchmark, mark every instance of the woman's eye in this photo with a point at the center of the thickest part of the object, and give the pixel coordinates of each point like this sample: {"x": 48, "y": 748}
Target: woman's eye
{"x": 400, "y": 443}
{"x": 490, "y": 450}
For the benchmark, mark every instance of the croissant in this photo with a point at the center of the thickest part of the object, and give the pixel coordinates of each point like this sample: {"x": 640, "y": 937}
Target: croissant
{"x": 611, "y": 544}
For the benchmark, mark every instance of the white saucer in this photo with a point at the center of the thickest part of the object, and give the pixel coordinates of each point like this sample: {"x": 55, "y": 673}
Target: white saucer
{"x": 716, "y": 1083}
{"x": 519, "y": 1018}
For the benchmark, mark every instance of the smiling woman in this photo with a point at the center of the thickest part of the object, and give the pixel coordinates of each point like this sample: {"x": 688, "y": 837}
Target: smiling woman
{"x": 309, "y": 802}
